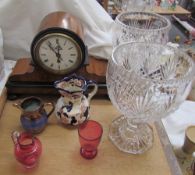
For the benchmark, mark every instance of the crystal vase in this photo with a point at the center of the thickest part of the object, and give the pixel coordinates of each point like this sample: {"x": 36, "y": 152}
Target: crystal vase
{"x": 140, "y": 27}
{"x": 145, "y": 81}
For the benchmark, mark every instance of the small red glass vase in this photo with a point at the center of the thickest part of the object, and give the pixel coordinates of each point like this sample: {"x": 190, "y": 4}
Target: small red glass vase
{"x": 27, "y": 148}
{"x": 90, "y": 133}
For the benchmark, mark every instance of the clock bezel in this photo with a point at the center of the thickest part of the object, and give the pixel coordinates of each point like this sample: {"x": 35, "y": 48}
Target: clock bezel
{"x": 45, "y": 34}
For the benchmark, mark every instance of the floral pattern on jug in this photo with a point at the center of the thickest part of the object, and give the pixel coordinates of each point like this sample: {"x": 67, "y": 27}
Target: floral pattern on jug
{"x": 73, "y": 105}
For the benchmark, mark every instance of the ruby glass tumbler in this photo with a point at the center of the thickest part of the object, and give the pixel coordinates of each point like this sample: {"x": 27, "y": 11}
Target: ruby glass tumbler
{"x": 90, "y": 133}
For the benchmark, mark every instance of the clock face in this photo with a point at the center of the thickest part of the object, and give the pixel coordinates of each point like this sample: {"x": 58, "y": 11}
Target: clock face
{"x": 58, "y": 53}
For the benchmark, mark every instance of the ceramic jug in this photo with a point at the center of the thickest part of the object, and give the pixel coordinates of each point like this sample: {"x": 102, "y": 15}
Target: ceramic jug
{"x": 73, "y": 105}
{"x": 34, "y": 116}
{"x": 27, "y": 148}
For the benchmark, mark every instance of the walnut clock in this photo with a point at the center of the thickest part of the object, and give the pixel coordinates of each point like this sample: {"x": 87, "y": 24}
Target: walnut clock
{"x": 57, "y": 50}
{"x": 58, "y": 47}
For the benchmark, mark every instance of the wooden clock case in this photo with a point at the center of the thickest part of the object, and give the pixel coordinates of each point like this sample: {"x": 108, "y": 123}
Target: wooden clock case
{"x": 31, "y": 80}
{"x": 28, "y": 78}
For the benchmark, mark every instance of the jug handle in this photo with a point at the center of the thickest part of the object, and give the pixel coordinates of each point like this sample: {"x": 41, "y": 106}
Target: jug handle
{"x": 17, "y": 105}
{"x": 52, "y": 108}
{"x": 15, "y": 135}
{"x": 94, "y": 90}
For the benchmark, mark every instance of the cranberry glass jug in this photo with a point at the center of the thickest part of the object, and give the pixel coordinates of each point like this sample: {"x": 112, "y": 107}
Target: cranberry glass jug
{"x": 27, "y": 148}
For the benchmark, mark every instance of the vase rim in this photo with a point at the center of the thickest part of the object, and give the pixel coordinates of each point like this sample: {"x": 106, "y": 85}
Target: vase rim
{"x": 186, "y": 77}
{"x": 168, "y": 26}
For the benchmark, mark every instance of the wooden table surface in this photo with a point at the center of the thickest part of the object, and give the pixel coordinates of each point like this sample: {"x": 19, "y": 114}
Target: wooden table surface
{"x": 177, "y": 10}
{"x": 3, "y": 97}
{"x": 61, "y": 149}
{"x": 162, "y": 11}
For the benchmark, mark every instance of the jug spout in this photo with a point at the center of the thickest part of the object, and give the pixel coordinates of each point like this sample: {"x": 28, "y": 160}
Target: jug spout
{"x": 15, "y": 135}
{"x": 71, "y": 84}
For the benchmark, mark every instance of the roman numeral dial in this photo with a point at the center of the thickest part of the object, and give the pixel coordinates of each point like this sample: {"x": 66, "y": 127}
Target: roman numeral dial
{"x": 59, "y": 53}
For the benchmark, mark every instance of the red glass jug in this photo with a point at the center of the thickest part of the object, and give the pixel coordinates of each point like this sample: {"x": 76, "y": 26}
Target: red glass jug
{"x": 27, "y": 148}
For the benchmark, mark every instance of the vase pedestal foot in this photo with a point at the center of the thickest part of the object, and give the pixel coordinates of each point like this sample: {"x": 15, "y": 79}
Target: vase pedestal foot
{"x": 134, "y": 139}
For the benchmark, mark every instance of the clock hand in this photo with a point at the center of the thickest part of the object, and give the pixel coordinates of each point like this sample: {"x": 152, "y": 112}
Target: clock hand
{"x": 58, "y": 55}
{"x": 58, "y": 48}
{"x": 50, "y": 46}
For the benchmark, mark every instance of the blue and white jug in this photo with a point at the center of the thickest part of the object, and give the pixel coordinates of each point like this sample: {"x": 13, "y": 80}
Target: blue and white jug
{"x": 73, "y": 105}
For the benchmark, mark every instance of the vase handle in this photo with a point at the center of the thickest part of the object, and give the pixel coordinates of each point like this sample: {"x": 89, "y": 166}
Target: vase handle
{"x": 52, "y": 108}
{"x": 93, "y": 91}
